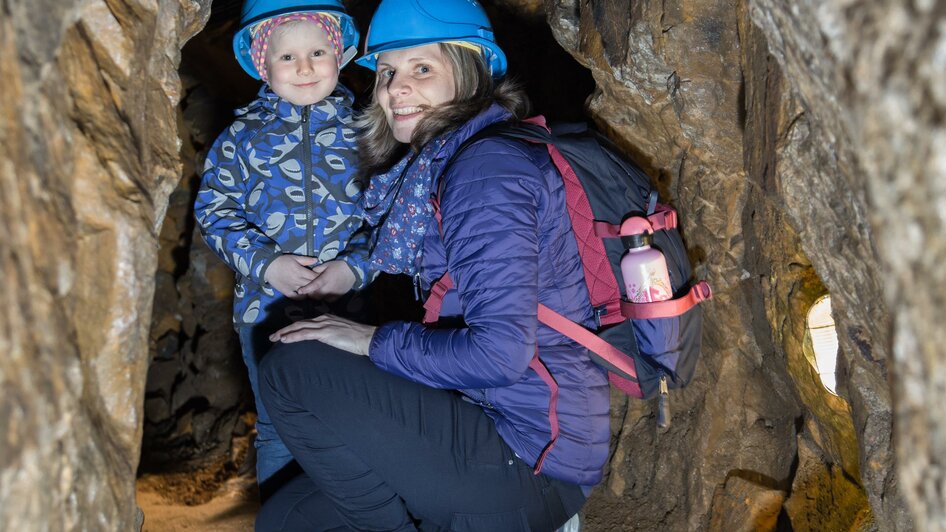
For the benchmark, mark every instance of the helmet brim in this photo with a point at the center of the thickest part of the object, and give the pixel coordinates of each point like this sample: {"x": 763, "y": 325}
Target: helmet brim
{"x": 495, "y": 58}
{"x": 243, "y": 39}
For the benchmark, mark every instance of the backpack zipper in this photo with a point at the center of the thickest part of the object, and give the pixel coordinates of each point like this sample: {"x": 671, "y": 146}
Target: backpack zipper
{"x": 663, "y": 402}
{"x": 417, "y": 290}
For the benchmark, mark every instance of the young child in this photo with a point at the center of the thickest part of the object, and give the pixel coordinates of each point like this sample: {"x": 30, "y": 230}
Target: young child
{"x": 279, "y": 193}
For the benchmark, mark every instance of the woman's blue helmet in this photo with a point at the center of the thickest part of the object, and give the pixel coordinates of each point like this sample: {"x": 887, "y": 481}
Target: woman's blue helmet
{"x": 399, "y": 24}
{"x": 256, "y": 11}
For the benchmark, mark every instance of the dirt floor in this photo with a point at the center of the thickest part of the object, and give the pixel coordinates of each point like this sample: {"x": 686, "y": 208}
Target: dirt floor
{"x": 233, "y": 507}
{"x": 221, "y": 497}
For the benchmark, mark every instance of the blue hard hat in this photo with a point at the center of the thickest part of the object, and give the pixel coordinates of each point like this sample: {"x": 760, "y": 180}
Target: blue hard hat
{"x": 399, "y": 24}
{"x": 256, "y": 11}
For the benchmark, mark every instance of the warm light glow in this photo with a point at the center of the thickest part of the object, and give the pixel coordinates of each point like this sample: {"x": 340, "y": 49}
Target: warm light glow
{"x": 824, "y": 341}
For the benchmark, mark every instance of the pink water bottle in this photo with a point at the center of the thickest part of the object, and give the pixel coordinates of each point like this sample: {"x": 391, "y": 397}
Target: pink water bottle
{"x": 646, "y": 278}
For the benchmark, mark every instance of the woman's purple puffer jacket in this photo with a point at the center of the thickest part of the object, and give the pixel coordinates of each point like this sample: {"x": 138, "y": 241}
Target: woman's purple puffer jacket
{"x": 508, "y": 245}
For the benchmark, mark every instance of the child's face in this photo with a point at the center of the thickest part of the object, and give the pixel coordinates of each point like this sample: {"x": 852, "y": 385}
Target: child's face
{"x": 300, "y": 63}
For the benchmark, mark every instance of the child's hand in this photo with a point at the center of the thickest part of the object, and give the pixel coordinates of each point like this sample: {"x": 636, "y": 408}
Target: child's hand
{"x": 333, "y": 280}
{"x": 289, "y": 273}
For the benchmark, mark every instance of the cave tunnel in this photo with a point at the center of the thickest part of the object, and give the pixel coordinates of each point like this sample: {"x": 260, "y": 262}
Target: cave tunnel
{"x": 801, "y": 144}
{"x": 198, "y": 406}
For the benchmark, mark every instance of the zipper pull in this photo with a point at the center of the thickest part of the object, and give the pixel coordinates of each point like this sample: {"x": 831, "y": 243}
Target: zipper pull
{"x": 305, "y": 114}
{"x": 417, "y": 290}
{"x": 663, "y": 404}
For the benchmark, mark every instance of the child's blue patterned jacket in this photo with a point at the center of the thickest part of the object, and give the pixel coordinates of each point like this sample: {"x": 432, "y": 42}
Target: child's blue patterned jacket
{"x": 282, "y": 180}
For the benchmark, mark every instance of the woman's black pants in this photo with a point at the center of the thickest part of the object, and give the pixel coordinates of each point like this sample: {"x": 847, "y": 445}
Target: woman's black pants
{"x": 383, "y": 453}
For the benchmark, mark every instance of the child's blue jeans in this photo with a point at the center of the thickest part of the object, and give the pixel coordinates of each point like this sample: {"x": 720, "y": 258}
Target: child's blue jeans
{"x": 271, "y": 454}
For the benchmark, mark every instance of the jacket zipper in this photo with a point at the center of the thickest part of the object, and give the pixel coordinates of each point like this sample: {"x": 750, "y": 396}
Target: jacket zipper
{"x": 418, "y": 293}
{"x": 307, "y": 177}
{"x": 478, "y": 396}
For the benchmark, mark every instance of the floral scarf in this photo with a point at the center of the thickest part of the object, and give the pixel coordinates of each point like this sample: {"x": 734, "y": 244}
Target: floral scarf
{"x": 397, "y": 205}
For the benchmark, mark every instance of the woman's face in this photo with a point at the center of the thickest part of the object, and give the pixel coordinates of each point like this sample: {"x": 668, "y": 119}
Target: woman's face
{"x": 410, "y": 83}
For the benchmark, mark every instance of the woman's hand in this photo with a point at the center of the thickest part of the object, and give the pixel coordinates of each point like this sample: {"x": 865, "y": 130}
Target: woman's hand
{"x": 337, "y": 332}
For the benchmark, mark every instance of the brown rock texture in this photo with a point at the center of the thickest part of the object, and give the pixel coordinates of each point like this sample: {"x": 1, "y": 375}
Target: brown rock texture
{"x": 743, "y": 111}
{"x": 197, "y": 383}
{"x": 739, "y": 505}
{"x": 89, "y": 155}
{"x": 870, "y": 78}
{"x": 801, "y": 142}
{"x": 823, "y": 496}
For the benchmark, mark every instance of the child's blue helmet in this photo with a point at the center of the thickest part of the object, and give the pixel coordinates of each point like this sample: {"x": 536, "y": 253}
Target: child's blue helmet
{"x": 256, "y": 11}
{"x": 399, "y": 24}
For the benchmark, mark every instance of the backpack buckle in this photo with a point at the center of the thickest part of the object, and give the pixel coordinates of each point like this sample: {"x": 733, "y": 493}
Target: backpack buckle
{"x": 599, "y": 312}
{"x": 664, "y": 218}
{"x": 702, "y": 292}
{"x": 608, "y": 314}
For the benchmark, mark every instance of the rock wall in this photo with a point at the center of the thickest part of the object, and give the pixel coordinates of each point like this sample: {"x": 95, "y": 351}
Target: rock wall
{"x": 870, "y": 75}
{"x": 799, "y": 141}
{"x": 197, "y": 383}
{"x": 88, "y": 157}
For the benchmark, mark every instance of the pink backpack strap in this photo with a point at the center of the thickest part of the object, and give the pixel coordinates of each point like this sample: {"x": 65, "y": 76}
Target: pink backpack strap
{"x": 435, "y": 203}
{"x": 629, "y": 387}
{"x": 435, "y": 301}
{"x": 432, "y": 309}
{"x": 612, "y": 355}
{"x": 664, "y": 217}
{"x": 603, "y": 288}
{"x": 701, "y": 291}
{"x": 543, "y": 372}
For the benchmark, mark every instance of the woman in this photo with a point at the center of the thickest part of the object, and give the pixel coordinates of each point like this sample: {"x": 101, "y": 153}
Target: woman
{"x": 405, "y": 425}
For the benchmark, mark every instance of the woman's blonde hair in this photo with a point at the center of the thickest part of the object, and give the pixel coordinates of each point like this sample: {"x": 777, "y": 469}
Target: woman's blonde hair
{"x": 475, "y": 91}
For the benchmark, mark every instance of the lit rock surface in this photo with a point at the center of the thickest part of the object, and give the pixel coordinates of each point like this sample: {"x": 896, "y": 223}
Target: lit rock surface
{"x": 197, "y": 383}
{"x": 88, "y": 157}
{"x": 779, "y": 161}
{"x": 801, "y": 142}
{"x": 744, "y": 504}
{"x": 870, "y": 75}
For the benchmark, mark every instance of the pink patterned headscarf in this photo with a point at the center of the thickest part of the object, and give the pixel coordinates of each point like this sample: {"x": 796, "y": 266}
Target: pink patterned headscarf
{"x": 264, "y": 30}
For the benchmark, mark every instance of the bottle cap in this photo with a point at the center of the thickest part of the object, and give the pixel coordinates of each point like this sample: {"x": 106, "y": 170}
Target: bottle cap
{"x": 637, "y": 241}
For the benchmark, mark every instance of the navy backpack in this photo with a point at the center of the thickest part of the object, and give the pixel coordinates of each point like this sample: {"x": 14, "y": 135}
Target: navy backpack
{"x": 647, "y": 348}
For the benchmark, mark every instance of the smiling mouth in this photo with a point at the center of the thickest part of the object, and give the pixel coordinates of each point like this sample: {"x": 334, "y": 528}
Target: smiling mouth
{"x": 406, "y": 113}
{"x": 307, "y": 85}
